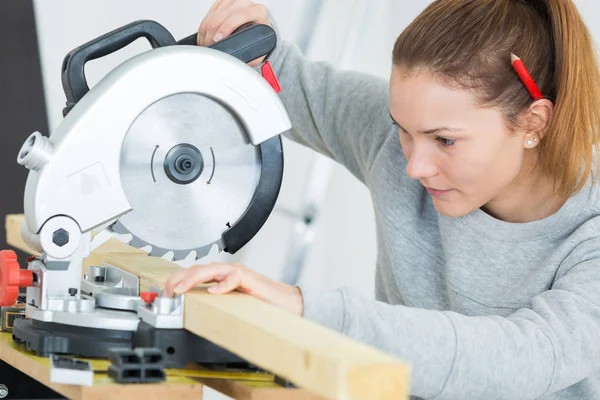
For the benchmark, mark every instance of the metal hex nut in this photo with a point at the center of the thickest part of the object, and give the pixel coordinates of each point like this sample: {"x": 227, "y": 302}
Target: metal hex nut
{"x": 60, "y": 237}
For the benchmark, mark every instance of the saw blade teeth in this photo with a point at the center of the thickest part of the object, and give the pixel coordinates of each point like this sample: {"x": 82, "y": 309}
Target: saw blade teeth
{"x": 169, "y": 256}
{"x": 192, "y": 256}
{"x": 186, "y": 256}
{"x": 159, "y": 251}
{"x": 119, "y": 228}
{"x": 146, "y": 248}
{"x": 137, "y": 242}
{"x": 124, "y": 237}
{"x": 202, "y": 252}
{"x": 180, "y": 254}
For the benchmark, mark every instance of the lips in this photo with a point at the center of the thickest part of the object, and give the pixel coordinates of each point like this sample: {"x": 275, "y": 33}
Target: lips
{"x": 437, "y": 192}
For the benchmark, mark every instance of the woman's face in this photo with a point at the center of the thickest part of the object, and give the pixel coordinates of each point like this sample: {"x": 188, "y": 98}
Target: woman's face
{"x": 464, "y": 155}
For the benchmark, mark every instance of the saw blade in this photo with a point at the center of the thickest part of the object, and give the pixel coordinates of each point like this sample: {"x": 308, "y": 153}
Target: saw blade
{"x": 189, "y": 173}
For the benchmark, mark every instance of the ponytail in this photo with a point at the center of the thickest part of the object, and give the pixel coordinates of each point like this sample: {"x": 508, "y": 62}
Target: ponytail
{"x": 574, "y": 132}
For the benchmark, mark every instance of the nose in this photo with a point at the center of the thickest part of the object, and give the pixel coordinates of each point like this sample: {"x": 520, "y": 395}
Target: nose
{"x": 421, "y": 163}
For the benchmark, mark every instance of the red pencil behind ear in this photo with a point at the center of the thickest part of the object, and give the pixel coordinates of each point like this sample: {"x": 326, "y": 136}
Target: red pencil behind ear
{"x": 526, "y": 78}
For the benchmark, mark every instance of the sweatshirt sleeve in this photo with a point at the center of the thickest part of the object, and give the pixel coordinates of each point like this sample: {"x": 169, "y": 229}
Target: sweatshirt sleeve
{"x": 530, "y": 354}
{"x": 341, "y": 114}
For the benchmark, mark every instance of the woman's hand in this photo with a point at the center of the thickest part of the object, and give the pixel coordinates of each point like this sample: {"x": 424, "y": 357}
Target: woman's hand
{"x": 225, "y": 16}
{"x": 230, "y": 277}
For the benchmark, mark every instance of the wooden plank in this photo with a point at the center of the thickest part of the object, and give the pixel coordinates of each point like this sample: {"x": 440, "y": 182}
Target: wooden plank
{"x": 307, "y": 354}
{"x": 256, "y": 391}
{"x": 324, "y": 362}
{"x": 13, "y": 233}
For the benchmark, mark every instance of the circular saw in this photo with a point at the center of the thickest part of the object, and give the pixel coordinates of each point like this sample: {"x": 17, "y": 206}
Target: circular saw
{"x": 178, "y": 147}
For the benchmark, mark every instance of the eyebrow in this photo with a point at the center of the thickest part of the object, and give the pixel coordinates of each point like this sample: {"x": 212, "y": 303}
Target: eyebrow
{"x": 430, "y": 131}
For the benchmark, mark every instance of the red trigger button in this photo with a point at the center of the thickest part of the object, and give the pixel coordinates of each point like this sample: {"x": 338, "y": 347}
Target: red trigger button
{"x": 269, "y": 75}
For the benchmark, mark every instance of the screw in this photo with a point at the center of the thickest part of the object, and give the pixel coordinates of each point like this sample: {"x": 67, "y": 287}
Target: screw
{"x": 3, "y": 391}
{"x": 60, "y": 237}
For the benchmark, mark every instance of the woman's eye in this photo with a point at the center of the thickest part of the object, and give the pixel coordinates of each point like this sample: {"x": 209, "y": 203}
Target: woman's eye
{"x": 446, "y": 142}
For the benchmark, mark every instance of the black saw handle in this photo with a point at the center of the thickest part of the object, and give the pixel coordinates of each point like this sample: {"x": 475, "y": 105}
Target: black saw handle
{"x": 247, "y": 43}
{"x": 73, "y": 68}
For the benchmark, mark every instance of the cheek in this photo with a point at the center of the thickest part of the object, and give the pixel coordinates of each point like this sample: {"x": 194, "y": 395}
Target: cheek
{"x": 506, "y": 159}
{"x": 488, "y": 167}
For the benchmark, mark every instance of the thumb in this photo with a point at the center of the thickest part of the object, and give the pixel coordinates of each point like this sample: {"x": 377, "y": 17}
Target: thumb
{"x": 230, "y": 283}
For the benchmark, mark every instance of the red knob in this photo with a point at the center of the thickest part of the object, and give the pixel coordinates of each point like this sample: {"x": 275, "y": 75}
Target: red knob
{"x": 12, "y": 277}
{"x": 149, "y": 297}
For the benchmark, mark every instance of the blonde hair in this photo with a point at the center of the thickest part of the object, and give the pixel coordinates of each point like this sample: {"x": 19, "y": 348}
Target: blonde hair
{"x": 468, "y": 43}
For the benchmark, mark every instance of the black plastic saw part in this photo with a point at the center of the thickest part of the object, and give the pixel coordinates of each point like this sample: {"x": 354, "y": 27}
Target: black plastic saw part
{"x": 247, "y": 43}
{"x": 73, "y": 68}
{"x": 176, "y": 346}
{"x": 180, "y": 346}
{"x": 265, "y": 197}
{"x": 45, "y": 338}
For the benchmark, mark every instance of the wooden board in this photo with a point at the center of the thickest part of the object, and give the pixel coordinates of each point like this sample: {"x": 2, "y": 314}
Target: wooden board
{"x": 313, "y": 357}
{"x": 13, "y": 233}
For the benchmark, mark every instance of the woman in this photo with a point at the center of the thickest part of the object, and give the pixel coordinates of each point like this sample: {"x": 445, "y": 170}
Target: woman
{"x": 488, "y": 222}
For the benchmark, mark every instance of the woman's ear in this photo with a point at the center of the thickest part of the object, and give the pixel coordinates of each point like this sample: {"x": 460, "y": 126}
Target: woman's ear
{"x": 537, "y": 119}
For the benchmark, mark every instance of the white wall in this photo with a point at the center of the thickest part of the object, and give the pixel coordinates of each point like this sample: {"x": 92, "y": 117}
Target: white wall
{"x": 353, "y": 34}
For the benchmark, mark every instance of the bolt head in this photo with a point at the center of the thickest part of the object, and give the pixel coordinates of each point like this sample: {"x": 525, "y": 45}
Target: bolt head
{"x": 60, "y": 237}
{"x": 3, "y": 391}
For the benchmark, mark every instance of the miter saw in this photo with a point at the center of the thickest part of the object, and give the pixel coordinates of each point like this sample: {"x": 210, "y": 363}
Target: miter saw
{"x": 177, "y": 147}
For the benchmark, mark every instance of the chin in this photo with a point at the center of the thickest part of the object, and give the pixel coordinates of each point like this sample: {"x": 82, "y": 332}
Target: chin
{"x": 452, "y": 209}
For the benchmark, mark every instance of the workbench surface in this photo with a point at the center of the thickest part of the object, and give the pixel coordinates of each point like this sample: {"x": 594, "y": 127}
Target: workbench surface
{"x": 180, "y": 384}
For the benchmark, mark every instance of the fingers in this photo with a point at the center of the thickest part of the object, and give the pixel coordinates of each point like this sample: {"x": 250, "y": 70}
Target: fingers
{"x": 226, "y": 3}
{"x": 229, "y": 284}
{"x": 214, "y": 18}
{"x": 217, "y": 20}
{"x": 206, "y": 20}
{"x": 214, "y": 6}
{"x": 182, "y": 281}
{"x": 256, "y": 13}
{"x": 229, "y": 277}
{"x": 174, "y": 279}
{"x": 226, "y": 16}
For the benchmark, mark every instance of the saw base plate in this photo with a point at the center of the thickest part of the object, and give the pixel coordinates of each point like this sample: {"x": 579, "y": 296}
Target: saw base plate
{"x": 178, "y": 346}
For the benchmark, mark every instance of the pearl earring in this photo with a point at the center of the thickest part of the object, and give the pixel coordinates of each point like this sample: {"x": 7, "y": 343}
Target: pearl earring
{"x": 530, "y": 142}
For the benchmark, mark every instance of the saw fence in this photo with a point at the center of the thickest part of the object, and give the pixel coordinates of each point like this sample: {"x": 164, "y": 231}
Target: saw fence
{"x": 323, "y": 363}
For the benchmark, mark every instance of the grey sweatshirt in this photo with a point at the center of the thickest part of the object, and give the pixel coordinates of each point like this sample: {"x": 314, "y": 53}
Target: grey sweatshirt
{"x": 481, "y": 308}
